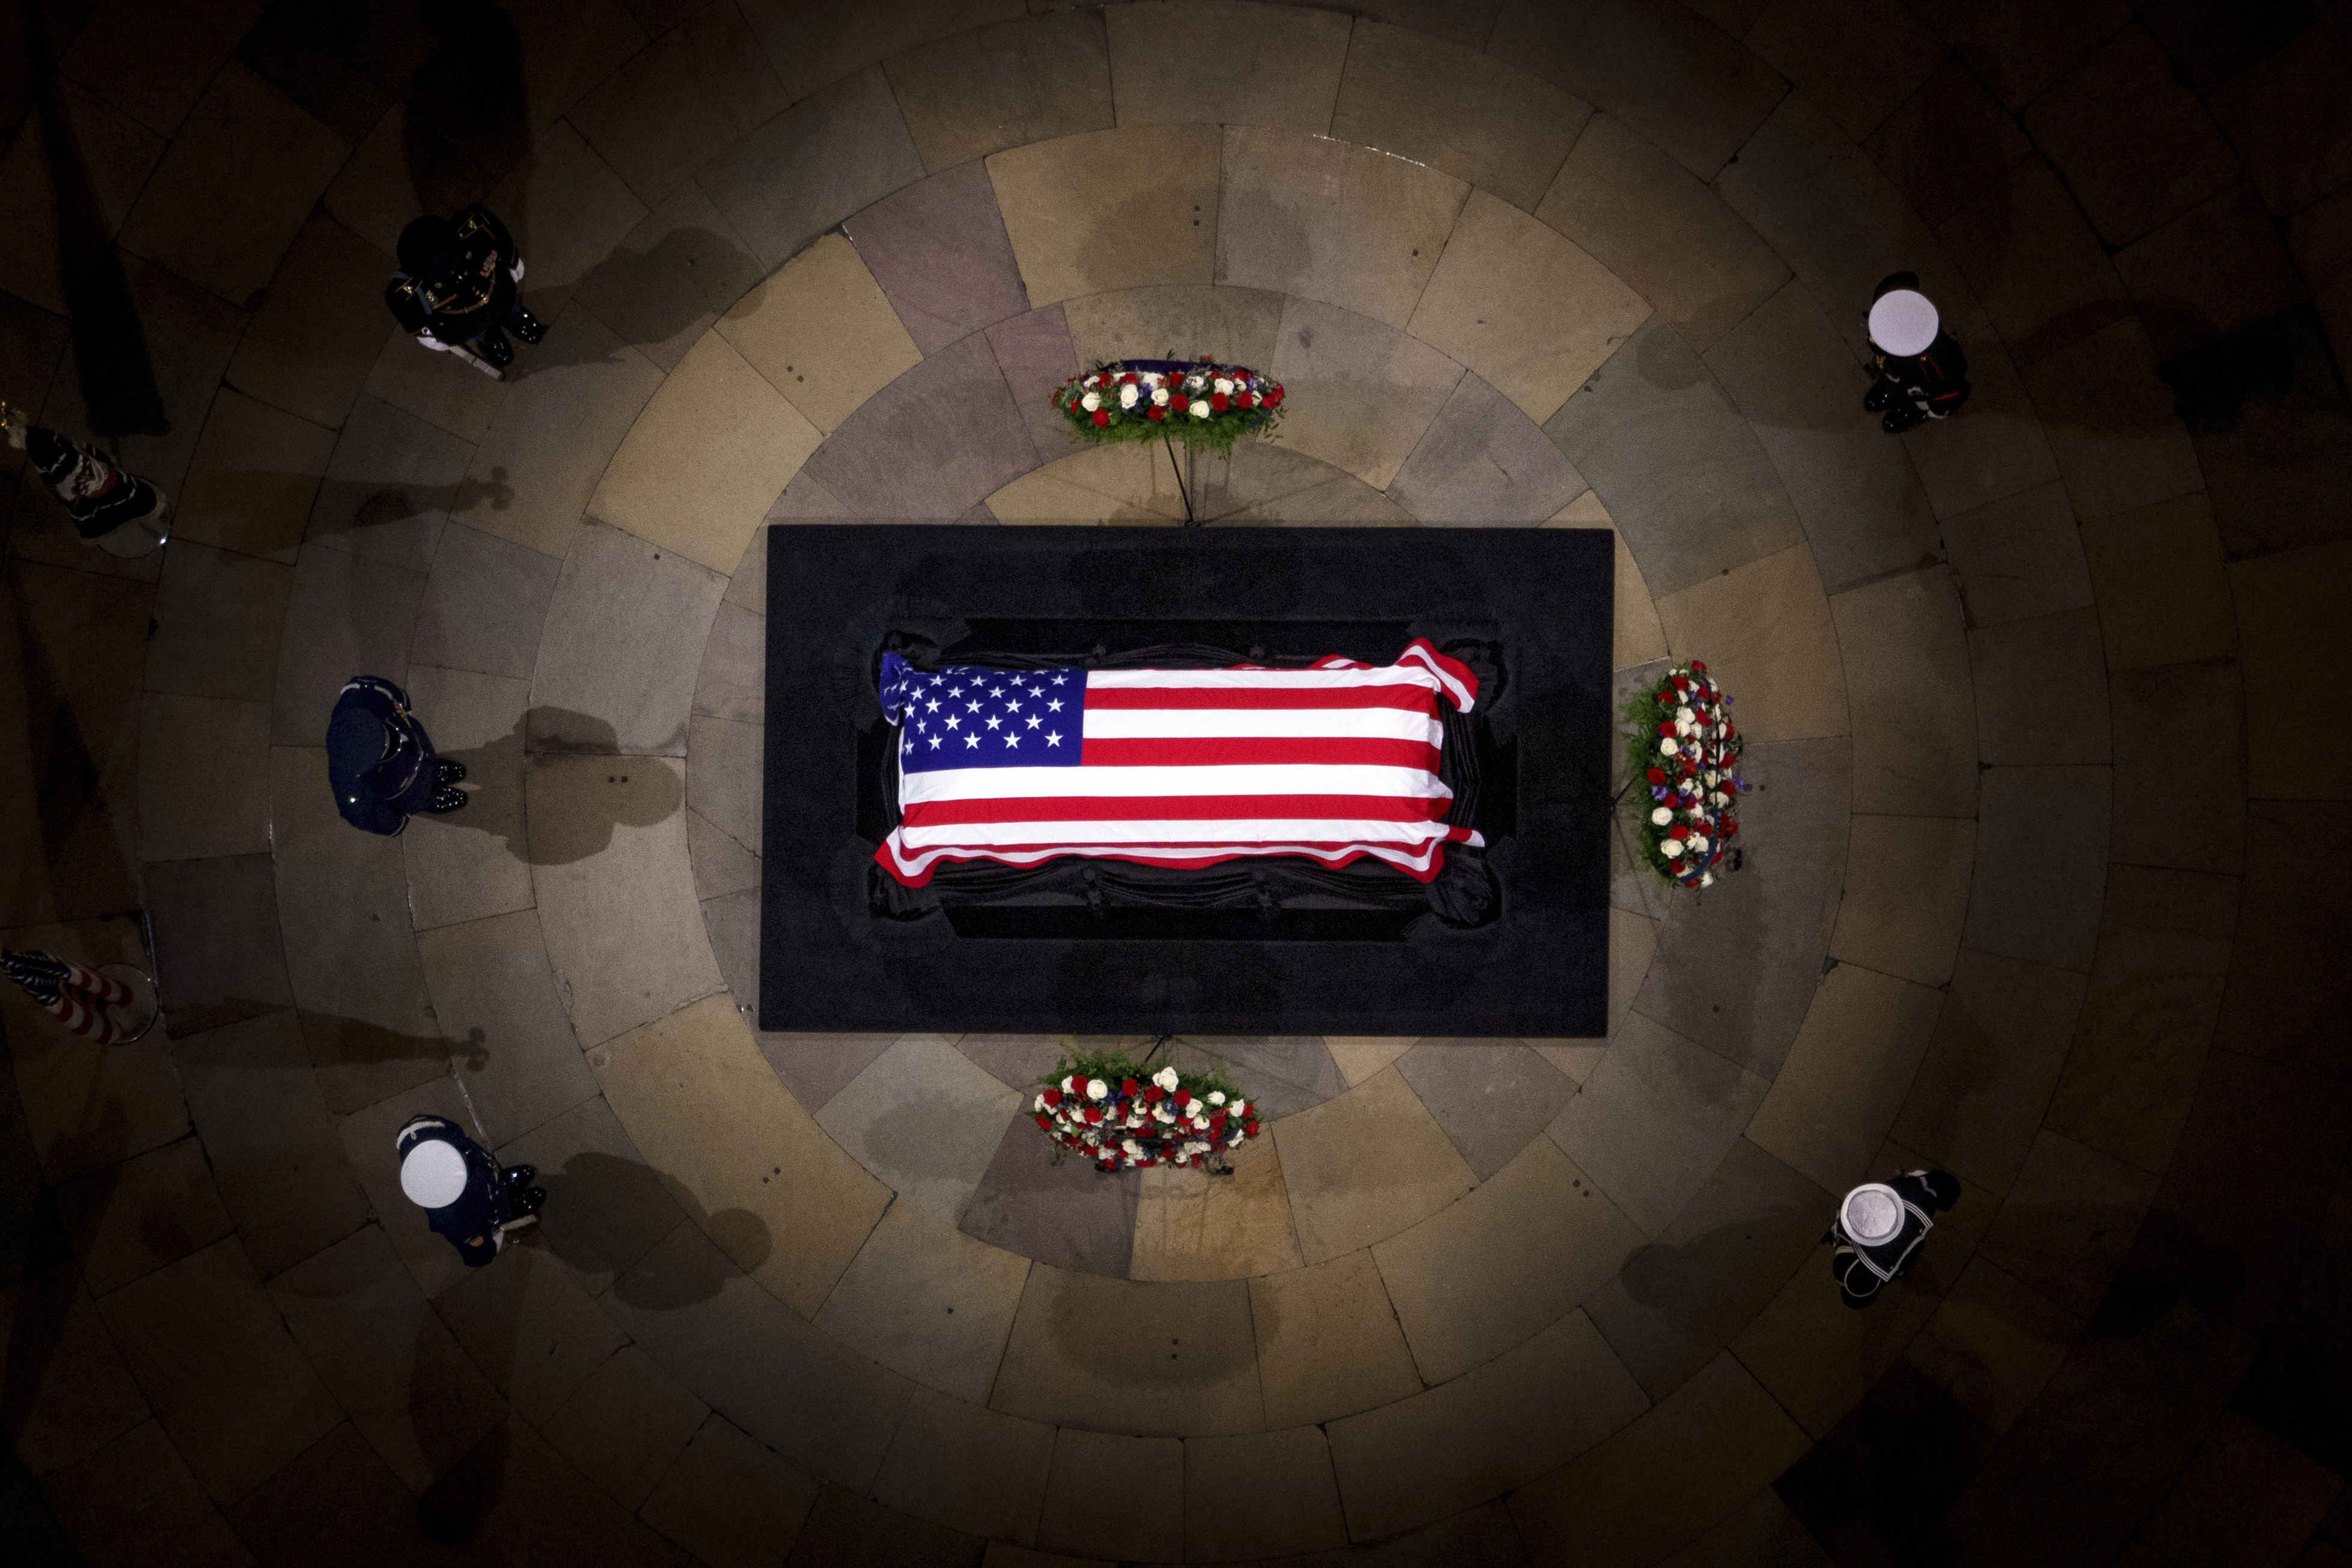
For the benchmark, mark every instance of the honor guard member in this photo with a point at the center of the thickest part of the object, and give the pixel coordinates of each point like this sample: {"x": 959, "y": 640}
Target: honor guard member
{"x": 1922, "y": 372}
{"x": 1879, "y": 1228}
{"x": 381, "y": 762}
{"x": 466, "y": 1198}
{"x": 119, "y": 512}
{"x": 455, "y": 285}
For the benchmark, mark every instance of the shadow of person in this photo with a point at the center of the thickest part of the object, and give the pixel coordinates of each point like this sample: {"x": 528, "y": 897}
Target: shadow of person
{"x": 472, "y": 93}
{"x": 579, "y": 789}
{"x": 682, "y": 281}
{"x": 597, "y": 1218}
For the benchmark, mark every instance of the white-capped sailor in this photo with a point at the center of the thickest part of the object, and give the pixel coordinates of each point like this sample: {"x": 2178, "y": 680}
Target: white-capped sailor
{"x": 1923, "y": 373}
{"x": 1880, "y": 1226}
{"x": 466, "y": 1198}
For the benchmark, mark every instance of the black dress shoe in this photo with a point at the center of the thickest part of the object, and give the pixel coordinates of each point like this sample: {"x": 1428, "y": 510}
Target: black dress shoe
{"x": 518, "y": 1174}
{"x": 445, "y": 801}
{"x": 495, "y": 347}
{"x": 448, "y": 772}
{"x": 530, "y": 1200}
{"x": 526, "y": 327}
{"x": 1900, "y": 418}
{"x": 1877, "y": 398}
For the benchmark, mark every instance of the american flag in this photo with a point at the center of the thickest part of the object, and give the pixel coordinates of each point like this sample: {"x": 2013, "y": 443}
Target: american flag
{"x": 1174, "y": 768}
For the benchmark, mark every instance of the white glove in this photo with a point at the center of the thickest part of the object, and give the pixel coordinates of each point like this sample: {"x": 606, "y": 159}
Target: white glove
{"x": 431, "y": 342}
{"x": 516, "y": 273}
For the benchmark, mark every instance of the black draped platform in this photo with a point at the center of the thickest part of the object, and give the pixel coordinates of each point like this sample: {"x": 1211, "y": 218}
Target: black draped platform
{"x": 1510, "y": 942}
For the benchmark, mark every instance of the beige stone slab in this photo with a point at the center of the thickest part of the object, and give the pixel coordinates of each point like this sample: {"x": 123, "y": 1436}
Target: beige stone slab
{"x": 1112, "y": 1493}
{"x": 670, "y": 276}
{"x": 731, "y": 1499}
{"x": 1906, "y": 895}
{"x": 2000, "y": 1044}
{"x": 1008, "y": 84}
{"x": 1819, "y": 1357}
{"x": 926, "y": 1300}
{"x": 2249, "y": 1493}
{"x": 812, "y": 43}
{"x": 1111, "y": 209}
{"x": 360, "y": 1319}
{"x": 1637, "y": 635}
{"x": 368, "y": 1139}
{"x": 2111, "y": 424}
{"x": 625, "y": 1425}
{"x": 115, "y": 154}
{"x": 1361, "y": 1059}
{"x": 1361, "y": 394}
{"x": 1993, "y": 449}
{"x": 252, "y": 480}
{"x": 1265, "y": 1493}
{"x": 1639, "y": 214}
{"x": 673, "y": 106}
{"x": 1366, "y": 1166}
{"x": 118, "y": 1503}
{"x": 2163, "y": 591}
{"x": 241, "y": 175}
{"x": 1479, "y": 119}
{"x": 710, "y": 454}
{"x": 822, "y": 334}
{"x": 1168, "y": 1359}
{"x": 1993, "y": 1344}
{"x": 475, "y": 864}
{"x": 382, "y": 186}
{"x": 1178, "y": 65}
{"x": 316, "y": 336}
{"x": 1764, "y": 632}
{"x": 439, "y": 388}
{"x": 1231, "y": 325}
{"x": 1189, "y": 1225}
{"x": 77, "y": 1396}
{"x": 1129, "y": 482}
{"x": 618, "y": 657}
{"x": 566, "y": 414}
{"x": 1856, "y": 59}
{"x": 2180, "y": 767}
{"x": 963, "y": 1464}
{"x": 2044, "y": 276}
{"x": 517, "y": 1059}
{"x": 205, "y": 1343}
{"x": 568, "y": 211}
{"x": 1348, "y": 226}
{"x": 2041, "y": 690}
{"x": 2018, "y": 558}
{"x": 1527, "y": 309}
{"x": 1512, "y": 1420}
{"x": 1946, "y": 142}
{"x": 1845, "y": 1077}
{"x": 1667, "y": 1478}
{"x": 1329, "y": 1344}
{"x": 2282, "y": 602}
{"x": 710, "y": 1116}
{"x": 1499, "y": 1266}
{"x": 204, "y": 778}
{"x": 130, "y": 1221}
{"x": 532, "y": 1327}
{"x": 1904, "y": 644}
{"x": 924, "y": 1118}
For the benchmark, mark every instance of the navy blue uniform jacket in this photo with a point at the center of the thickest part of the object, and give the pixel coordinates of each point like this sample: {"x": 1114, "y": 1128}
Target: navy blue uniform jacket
{"x": 379, "y": 759}
{"x": 468, "y": 1224}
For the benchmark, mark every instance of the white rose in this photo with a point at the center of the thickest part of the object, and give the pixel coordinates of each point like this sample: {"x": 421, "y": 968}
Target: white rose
{"x": 1671, "y": 846}
{"x": 1040, "y": 1104}
{"x": 1712, "y": 777}
{"x": 1708, "y": 880}
{"x": 1684, "y": 716}
{"x": 1223, "y": 384}
{"x": 1667, "y": 749}
{"x": 1131, "y": 1146}
{"x": 1163, "y": 1114}
{"x": 1698, "y": 843}
{"x": 1127, "y": 395}
{"x": 1166, "y": 1079}
{"x": 1091, "y": 402}
{"x": 1097, "y": 1088}
{"x": 1069, "y": 1086}
{"x": 1217, "y": 1098}
{"x": 1199, "y": 409}
{"x": 1662, "y": 815}
{"x": 1160, "y": 396}
{"x": 1241, "y": 1108}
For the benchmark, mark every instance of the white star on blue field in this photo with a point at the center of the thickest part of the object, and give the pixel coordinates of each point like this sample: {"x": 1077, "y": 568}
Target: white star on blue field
{"x": 965, "y": 717}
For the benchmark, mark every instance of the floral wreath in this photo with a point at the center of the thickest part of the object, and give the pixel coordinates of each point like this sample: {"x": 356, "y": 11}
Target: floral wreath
{"x": 1683, "y": 744}
{"x": 1099, "y": 1107}
{"x": 1204, "y": 404}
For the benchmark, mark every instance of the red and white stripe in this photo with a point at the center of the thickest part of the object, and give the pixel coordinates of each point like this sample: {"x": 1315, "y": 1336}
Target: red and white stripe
{"x": 1189, "y": 767}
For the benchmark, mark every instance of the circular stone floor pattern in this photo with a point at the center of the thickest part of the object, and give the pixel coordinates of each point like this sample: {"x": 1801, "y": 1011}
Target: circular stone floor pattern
{"x": 1597, "y": 263}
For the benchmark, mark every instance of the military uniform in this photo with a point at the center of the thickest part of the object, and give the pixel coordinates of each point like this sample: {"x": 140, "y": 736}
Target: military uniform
{"x": 1862, "y": 1266}
{"x": 114, "y": 509}
{"x": 456, "y": 285}
{"x": 1922, "y": 371}
{"x": 381, "y": 762}
{"x": 477, "y": 1205}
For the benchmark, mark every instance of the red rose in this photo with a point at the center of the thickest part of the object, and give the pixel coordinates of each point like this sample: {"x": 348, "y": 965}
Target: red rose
{"x": 1681, "y": 684}
{"x": 1730, "y": 828}
{"x": 1179, "y": 403}
{"x": 1044, "y": 1120}
{"x": 1248, "y": 402}
{"x": 1677, "y": 831}
{"x": 1249, "y": 1129}
{"x": 1051, "y": 1096}
{"x": 1217, "y": 402}
{"x": 1657, "y": 775}
{"x": 1273, "y": 398}
{"x": 1183, "y": 1097}
{"x": 1666, "y": 695}
{"x": 1127, "y": 1086}
{"x": 1131, "y": 378}
{"x": 1666, "y": 727}
{"x": 1102, "y": 417}
{"x": 1699, "y": 667}
{"x": 1159, "y": 413}
{"x": 1155, "y": 1094}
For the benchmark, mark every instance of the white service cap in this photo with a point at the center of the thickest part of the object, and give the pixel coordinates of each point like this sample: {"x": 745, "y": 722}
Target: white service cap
{"x": 432, "y": 1175}
{"x": 1904, "y": 321}
{"x": 1872, "y": 1214}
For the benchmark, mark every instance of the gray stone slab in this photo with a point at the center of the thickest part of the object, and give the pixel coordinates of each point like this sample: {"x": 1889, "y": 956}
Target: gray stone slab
{"x": 1683, "y": 477}
{"x": 204, "y": 778}
{"x": 940, "y": 250}
{"x": 1904, "y": 642}
{"x": 2174, "y": 159}
{"x": 1737, "y": 968}
{"x": 1174, "y": 67}
{"x": 1280, "y": 1075}
{"x": 733, "y": 682}
{"x": 2211, "y": 272}
{"x": 1662, "y": 69}
{"x": 2181, "y": 793}
{"x": 530, "y": 1325}
{"x": 1857, "y": 61}
{"x": 514, "y": 1499}
{"x": 1478, "y": 118}
{"x": 219, "y": 956}
{"x": 1013, "y": 82}
{"x": 149, "y": 1211}
{"x": 1364, "y": 393}
{"x": 843, "y": 1527}
{"x": 692, "y": 93}
{"x": 747, "y": 1356}
{"x": 339, "y": 1491}
{"x": 2044, "y": 275}
{"x": 606, "y": 1209}
{"x": 2289, "y": 923}
{"x": 2018, "y": 667}
{"x": 1947, "y": 141}
{"x": 1483, "y": 461}
{"x": 722, "y": 865}
{"x": 841, "y": 149}
{"x": 924, "y": 1120}
{"x": 472, "y": 863}
{"x": 389, "y": 486}
{"x": 484, "y": 600}
{"x": 1654, "y": 1119}
{"x": 1490, "y": 1097}
{"x": 1863, "y": 509}
{"x": 1678, "y": 1301}
{"x": 520, "y": 1063}
{"x": 348, "y": 616}
{"x": 621, "y": 646}
{"x": 626, "y": 1425}
{"x": 136, "y": 1488}
{"x": 217, "y": 619}
{"x": 722, "y": 779}
{"x": 815, "y": 1067}
{"x": 1036, "y": 354}
{"x": 276, "y": 1160}
{"x": 670, "y": 276}
{"x": 320, "y": 327}
{"x": 2268, "y": 421}
{"x": 342, "y": 908}
{"x": 957, "y": 409}
{"x": 360, "y": 1319}
{"x": 2042, "y": 857}
{"x": 1045, "y": 1203}
{"x": 2021, "y": 49}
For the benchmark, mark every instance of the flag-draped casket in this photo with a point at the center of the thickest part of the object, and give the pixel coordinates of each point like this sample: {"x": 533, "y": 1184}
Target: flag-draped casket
{"x": 1174, "y": 768}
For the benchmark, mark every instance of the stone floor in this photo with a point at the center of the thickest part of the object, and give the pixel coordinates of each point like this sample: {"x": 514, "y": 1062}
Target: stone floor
{"x": 2019, "y": 904}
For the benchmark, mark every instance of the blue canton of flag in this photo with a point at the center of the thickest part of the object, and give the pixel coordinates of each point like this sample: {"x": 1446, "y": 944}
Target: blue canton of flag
{"x": 964, "y": 717}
